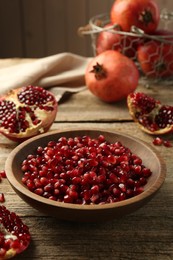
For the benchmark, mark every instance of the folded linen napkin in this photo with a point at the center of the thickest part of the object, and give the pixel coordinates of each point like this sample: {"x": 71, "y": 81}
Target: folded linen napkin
{"x": 64, "y": 69}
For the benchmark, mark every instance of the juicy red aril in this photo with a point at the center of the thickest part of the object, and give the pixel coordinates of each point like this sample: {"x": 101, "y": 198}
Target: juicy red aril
{"x": 164, "y": 116}
{"x": 145, "y": 103}
{"x": 167, "y": 143}
{"x": 14, "y": 234}
{"x": 34, "y": 96}
{"x": 84, "y": 170}
{"x": 2, "y": 198}
{"x": 8, "y": 115}
{"x": 158, "y": 141}
{"x": 2, "y": 174}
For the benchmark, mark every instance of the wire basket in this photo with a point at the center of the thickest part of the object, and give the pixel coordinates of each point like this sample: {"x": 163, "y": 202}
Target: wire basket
{"x": 97, "y": 25}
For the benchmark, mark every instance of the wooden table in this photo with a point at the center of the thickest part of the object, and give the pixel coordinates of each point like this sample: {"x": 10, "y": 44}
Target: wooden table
{"x": 146, "y": 234}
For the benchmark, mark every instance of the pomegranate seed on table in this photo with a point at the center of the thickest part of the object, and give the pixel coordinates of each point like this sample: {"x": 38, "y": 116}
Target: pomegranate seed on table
{"x": 84, "y": 170}
{"x": 2, "y": 198}
{"x": 3, "y": 174}
{"x": 167, "y": 143}
{"x": 158, "y": 141}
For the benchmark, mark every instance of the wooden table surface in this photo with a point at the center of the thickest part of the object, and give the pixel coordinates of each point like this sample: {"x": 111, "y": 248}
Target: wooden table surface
{"x": 146, "y": 234}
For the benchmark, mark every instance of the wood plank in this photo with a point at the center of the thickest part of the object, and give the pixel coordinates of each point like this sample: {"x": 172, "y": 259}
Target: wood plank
{"x": 94, "y": 8}
{"x": 165, "y": 4}
{"x": 88, "y": 241}
{"x": 144, "y": 234}
{"x": 98, "y": 110}
{"x": 55, "y": 26}
{"x": 162, "y": 200}
{"x": 33, "y": 28}
{"x": 10, "y": 29}
{"x": 40, "y": 28}
{"x": 75, "y": 17}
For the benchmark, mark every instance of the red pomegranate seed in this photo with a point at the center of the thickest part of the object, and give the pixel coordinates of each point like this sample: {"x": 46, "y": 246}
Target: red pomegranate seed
{"x": 39, "y": 191}
{"x": 167, "y": 143}
{"x": 84, "y": 170}
{"x": 158, "y": 141}
{"x": 3, "y": 174}
{"x": 2, "y": 198}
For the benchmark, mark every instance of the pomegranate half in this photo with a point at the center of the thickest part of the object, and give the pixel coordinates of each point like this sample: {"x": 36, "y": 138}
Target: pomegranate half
{"x": 152, "y": 116}
{"x": 14, "y": 234}
{"x": 26, "y": 112}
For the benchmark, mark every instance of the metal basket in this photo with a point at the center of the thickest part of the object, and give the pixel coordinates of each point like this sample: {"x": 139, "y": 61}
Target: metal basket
{"x": 96, "y": 26}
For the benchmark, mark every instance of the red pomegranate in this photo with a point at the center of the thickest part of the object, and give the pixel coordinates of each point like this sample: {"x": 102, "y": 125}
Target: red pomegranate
{"x": 113, "y": 40}
{"x": 151, "y": 116}
{"x": 155, "y": 57}
{"x": 144, "y": 14}
{"x": 26, "y": 112}
{"x": 14, "y": 234}
{"x": 111, "y": 76}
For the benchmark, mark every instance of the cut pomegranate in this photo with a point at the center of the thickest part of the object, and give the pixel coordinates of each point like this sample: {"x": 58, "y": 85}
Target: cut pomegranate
{"x": 26, "y": 112}
{"x": 14, "y": 234}
{"x": 151, "y": 116}
{"x": 84, "y": 170}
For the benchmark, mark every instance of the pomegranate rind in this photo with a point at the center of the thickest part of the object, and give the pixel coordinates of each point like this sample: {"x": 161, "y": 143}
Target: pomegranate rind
{"x": 134, "y": 109}
{"x": 46, "y": 117}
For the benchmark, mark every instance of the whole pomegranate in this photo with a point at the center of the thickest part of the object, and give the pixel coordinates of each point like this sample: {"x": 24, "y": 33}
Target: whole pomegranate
{"x": 144, "y": 14}
{"x": 26, "y": 112}
{"x": 151, "y": 116}
{"x": 113, "y": 40}
{"x": 111, "y": 76}
{"x": 156, "y": 57}
{"x": 14, "y": 234}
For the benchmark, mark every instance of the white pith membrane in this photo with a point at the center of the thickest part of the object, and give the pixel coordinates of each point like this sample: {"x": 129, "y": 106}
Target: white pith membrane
{"x": 8, "y": 236}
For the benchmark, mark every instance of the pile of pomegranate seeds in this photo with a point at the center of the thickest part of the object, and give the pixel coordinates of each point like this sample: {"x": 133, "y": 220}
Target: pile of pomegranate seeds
{"x": 84, "y": 170}
{"x": 14, "y": 234}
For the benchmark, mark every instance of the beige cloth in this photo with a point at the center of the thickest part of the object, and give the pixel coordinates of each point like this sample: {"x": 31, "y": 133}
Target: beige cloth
{"x": 64, "y": 69}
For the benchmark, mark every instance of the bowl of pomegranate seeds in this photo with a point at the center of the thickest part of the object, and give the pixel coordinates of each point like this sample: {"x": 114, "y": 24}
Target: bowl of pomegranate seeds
{"x": 85, "y": 175}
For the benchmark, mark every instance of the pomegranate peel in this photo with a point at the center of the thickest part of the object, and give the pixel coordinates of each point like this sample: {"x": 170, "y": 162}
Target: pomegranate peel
{"x": 150, "y": 114}
{"x": 14, "y": 234}
{"x": 26, "y": 112}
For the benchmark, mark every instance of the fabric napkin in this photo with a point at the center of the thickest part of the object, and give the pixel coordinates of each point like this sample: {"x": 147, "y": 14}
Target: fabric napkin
{"x": 63, "y": 69}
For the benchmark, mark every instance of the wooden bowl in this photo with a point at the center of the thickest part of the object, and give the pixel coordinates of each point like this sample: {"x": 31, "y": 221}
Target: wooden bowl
{"x": 90, "y": 213}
